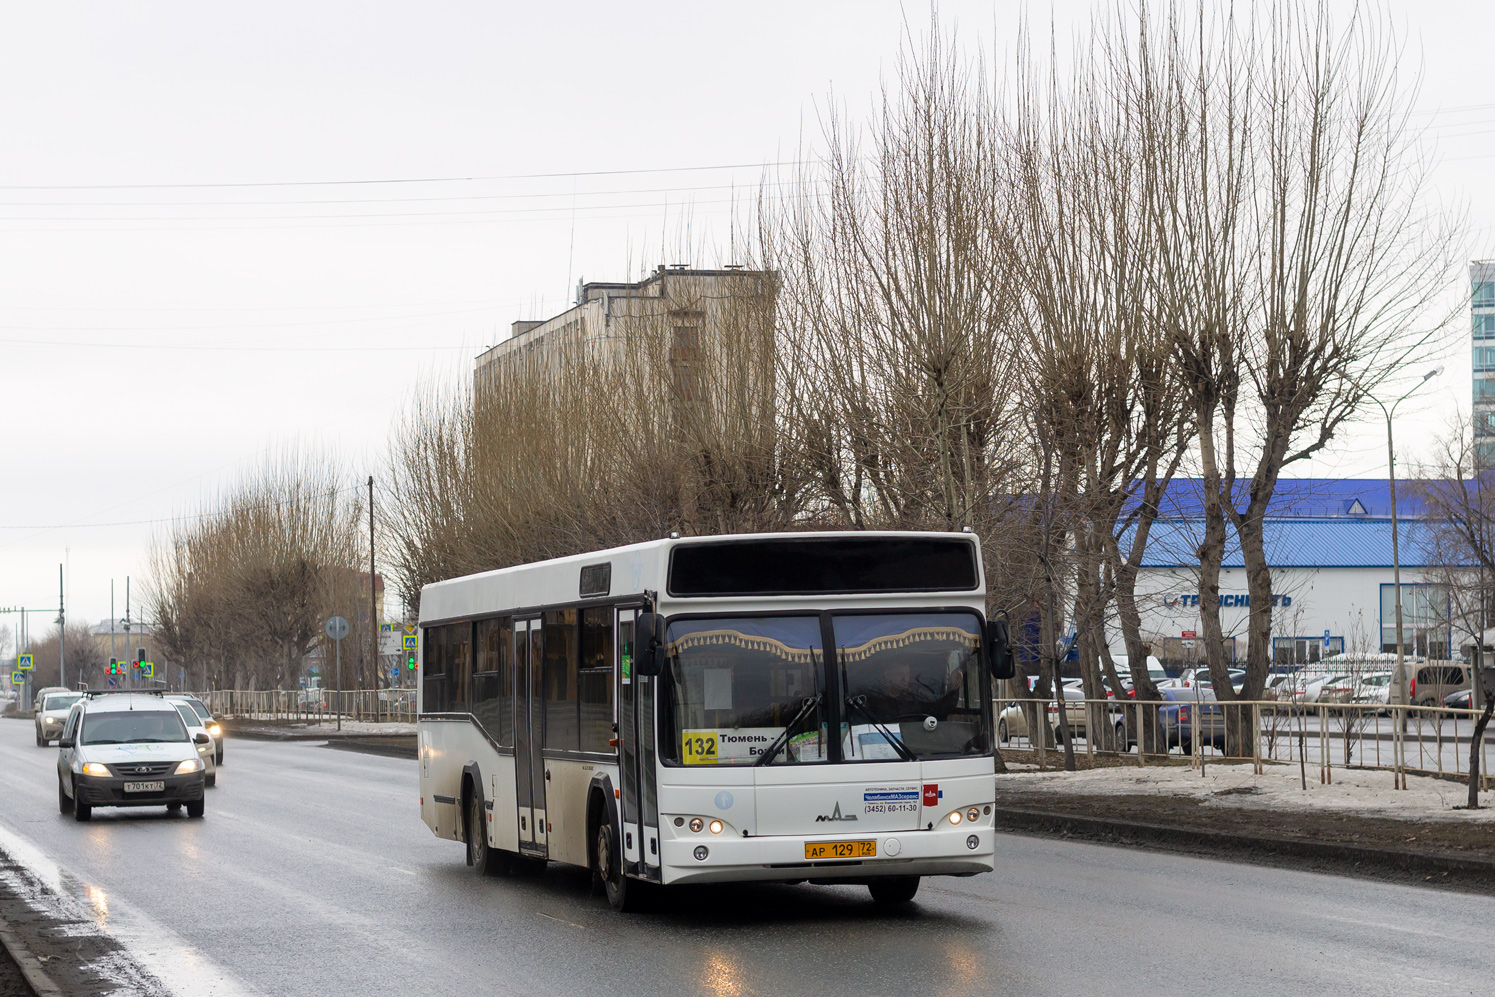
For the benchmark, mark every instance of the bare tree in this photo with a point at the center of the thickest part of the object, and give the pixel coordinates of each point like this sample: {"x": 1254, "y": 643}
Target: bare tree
{"x": 1458, "y": 495}
{"x": 1299, "y": 251}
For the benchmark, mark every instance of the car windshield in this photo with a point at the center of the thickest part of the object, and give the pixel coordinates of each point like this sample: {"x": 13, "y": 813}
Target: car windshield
{"x": 57, "y": 702}
{"x": 1379, "y": 679}
{"x": 133, "y": 727}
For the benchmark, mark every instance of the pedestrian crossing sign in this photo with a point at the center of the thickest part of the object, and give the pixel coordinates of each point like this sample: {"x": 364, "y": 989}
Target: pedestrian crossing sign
{"x": 17, "y": 677}
{"x": 23, "y": 662}
{"x": 410, "y": 642}
{"x": 147, "y": 668}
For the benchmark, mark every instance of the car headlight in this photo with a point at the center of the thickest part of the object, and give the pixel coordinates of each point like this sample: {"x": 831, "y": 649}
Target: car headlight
{"x": 51, "y": 720}
{"x": 97, "y": 769}
{"x": 189, "y": 766}
{"x": 215, "y": 730}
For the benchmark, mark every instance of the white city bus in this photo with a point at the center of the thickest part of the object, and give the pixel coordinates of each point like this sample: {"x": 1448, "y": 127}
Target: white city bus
{"x": 778, "y": 707}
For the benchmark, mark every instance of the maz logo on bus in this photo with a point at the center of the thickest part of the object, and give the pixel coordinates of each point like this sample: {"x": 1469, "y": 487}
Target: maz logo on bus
{"x": 835, "y": 815}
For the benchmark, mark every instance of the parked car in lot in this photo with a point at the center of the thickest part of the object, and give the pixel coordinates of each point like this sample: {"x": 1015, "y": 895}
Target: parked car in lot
{"x": 1461, "y": 700}
{"x": 1373, "y": 689}
{"x": 1013, "y": 720}
{"x": 1155, "y": 671}
{"x": 1189, "y": 713}
{"x": 52, "y": 714}
{"x": 1433, "y": 682}
{"x": 128, "y": 749}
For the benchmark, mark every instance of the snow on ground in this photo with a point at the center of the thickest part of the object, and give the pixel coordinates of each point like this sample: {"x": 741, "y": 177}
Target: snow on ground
{"x": 1358, "y": 791}
{"x": 350, "y": 727}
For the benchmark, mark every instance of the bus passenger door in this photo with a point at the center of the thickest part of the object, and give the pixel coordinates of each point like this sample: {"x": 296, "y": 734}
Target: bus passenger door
{"x": 636, "y": 721}
{"x": 529, "y": 764}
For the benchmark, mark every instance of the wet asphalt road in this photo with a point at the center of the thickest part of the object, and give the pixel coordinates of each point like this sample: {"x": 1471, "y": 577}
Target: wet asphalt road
{"x": 312, "y": 874}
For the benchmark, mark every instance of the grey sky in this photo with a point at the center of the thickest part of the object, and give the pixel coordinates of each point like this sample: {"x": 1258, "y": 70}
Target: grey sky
{"x": 126, "y": 311}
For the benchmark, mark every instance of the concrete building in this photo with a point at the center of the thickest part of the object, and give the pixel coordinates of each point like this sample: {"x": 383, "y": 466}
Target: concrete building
{"x": 1329, "y": 547}
{"x": 1482, "y": 312}
{"x": 688, "y": 306}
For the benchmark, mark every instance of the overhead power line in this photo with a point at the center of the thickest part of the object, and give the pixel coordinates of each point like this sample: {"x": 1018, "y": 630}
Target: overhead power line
{"x": 391, "y": 180}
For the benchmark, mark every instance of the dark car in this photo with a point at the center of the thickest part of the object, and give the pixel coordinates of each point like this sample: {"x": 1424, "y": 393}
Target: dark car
{"x": 1461, "y": 700}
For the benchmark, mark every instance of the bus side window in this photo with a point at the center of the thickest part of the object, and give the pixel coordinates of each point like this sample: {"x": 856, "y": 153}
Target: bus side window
{"x": 433, "y": 671}
{"x": 560, "y": 663}
{"x": 490, "y": 696}
{"x": 458, "y": 667}
{"x": 595, "y": 681}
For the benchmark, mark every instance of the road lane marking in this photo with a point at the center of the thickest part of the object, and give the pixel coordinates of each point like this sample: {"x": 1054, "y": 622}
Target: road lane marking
{"x": 157, "y": 949}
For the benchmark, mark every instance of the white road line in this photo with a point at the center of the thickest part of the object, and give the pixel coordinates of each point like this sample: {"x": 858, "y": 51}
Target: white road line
{"x": 182, "y": 968}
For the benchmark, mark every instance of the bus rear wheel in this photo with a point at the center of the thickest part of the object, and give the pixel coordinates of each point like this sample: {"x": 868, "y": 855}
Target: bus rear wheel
{"x": 893, "y": 889}
{"x": 483, "y": 857}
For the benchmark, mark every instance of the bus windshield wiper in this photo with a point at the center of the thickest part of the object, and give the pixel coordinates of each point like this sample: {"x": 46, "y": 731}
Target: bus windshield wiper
{"x": 804, "y": 710}
{"x": 859, "y": 703}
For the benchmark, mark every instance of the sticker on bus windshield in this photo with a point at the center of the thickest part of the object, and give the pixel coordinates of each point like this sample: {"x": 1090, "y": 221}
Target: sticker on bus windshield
{"x": 698, "y": 747}
{"x": 728, "y": 745}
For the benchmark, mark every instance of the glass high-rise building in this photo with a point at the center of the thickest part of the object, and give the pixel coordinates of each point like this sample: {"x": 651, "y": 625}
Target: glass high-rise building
{"x": 1482, "y": 311}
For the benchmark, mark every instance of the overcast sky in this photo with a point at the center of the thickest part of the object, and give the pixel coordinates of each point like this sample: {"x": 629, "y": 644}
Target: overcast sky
{"x": 162, "y": 325}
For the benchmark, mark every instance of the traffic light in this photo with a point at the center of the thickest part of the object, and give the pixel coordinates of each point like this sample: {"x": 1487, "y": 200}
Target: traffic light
{"x": 113, "y": 666}
{"x": 409, "y": 659}
{"x": 140, "y": 658}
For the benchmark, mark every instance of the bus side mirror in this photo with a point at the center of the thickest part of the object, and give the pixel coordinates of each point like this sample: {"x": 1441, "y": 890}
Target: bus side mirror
{"x": 1001, "y": 649}
{"x": 649, "y": 643}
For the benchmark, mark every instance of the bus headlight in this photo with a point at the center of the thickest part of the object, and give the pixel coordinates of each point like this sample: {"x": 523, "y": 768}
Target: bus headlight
{"x": 972, "y": 814}
{"x": 716, "y": 827}
{"x": 701, "y": 853}
{"x": 696, "y": 824}
{"x": 955, "y": 817}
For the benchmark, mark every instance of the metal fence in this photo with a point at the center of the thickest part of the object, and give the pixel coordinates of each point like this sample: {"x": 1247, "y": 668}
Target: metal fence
{"x": 313, "y": 705}
{"x": 1420, "y": 740}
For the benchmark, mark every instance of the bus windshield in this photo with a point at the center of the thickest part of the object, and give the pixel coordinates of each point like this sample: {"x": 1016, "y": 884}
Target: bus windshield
{"x": 734, "y": 685}
{"x": 912, "y": 685}
{"x": 909, "y": 688}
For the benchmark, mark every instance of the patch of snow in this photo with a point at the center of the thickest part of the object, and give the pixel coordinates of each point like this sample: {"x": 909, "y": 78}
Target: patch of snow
{"x": 1358, "y": 791}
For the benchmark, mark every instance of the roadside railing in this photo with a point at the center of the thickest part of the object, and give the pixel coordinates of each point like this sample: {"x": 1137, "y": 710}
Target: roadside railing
{"x": 313, "y": 705}
{"x": 1320, "y": 737}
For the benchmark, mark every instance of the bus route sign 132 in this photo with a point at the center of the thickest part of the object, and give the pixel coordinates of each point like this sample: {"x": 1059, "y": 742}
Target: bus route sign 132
{"x": 698, "y": 747}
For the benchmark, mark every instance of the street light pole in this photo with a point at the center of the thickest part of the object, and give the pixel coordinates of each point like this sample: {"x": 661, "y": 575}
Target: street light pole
{"x": 1399, "y": 674}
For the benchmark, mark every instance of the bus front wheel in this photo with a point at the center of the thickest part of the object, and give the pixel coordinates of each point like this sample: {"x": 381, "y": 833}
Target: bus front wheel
{"x": 893, "y": 889}
{"x": 607, "y": 869}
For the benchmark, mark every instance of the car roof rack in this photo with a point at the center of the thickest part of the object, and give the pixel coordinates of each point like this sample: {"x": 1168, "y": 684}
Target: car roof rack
{"x": 90, "y": 693}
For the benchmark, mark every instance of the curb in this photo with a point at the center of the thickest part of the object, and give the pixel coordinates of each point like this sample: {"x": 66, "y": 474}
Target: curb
{"x": 31, "y": 968}
{"x": 1021, "y": 819}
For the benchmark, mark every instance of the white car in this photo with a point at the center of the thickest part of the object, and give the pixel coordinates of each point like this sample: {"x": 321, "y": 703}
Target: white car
{"x": 1374, "y": 688}
{"x": 1155, "y": 670}
{"x": 195, "y": 725}
{"x": 128, "y": 749}
{"x": 52, "y": 714}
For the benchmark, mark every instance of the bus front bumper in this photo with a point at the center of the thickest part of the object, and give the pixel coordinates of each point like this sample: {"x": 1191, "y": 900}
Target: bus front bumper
{"x": 941, "y": 851}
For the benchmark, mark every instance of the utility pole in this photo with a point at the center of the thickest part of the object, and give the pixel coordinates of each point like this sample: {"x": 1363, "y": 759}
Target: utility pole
{"x": 61, "y": 631}
{"x": 128, "y": 651}
{"x": 113, "y": 655}
{"x": 373, "y": 596}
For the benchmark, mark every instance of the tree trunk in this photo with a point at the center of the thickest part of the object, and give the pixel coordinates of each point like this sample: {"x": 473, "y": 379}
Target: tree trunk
{"x": 1474, "y": 743}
